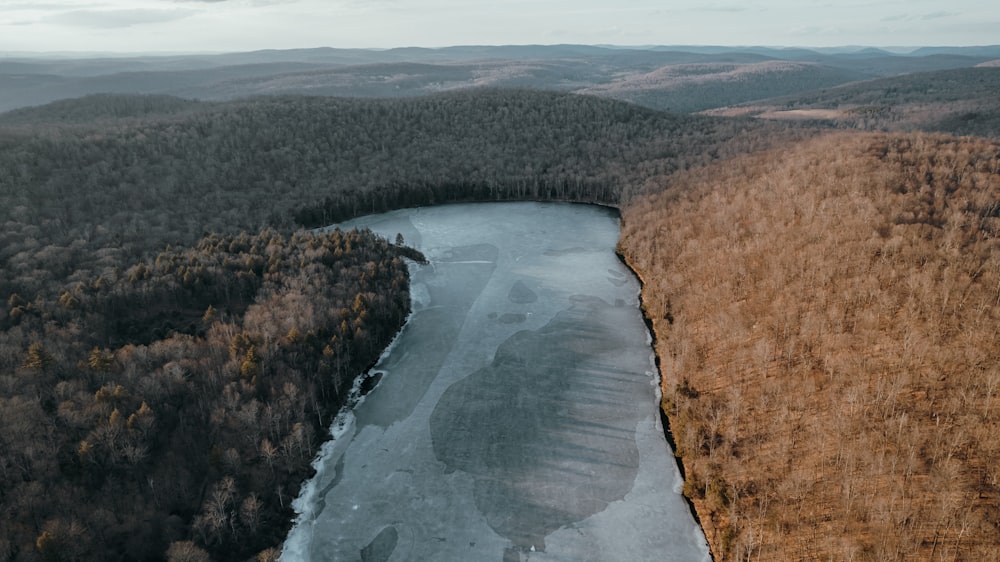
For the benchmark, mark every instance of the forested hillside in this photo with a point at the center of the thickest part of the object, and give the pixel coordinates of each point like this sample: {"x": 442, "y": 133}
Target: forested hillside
{"x": 117, "y": 188}
{"x": 826, "y": 321}
{"x": 173, "y": 346}
{"x": 173, "y": 343}
{"x": 96, "y": 109}
{"x": 695, "y": 87}
{"x": 170, "y": 408}
{"x": 958, "y": 101}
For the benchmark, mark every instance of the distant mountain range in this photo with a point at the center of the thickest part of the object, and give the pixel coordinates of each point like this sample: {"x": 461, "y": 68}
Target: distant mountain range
{"x": 658, "y": 77}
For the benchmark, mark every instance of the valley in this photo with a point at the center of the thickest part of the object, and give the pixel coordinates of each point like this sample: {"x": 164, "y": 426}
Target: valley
{"x": 816, "y": 235}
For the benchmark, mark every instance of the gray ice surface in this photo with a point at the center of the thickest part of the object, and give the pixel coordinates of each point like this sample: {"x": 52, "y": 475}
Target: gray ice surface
{"x": 517, "y": 416}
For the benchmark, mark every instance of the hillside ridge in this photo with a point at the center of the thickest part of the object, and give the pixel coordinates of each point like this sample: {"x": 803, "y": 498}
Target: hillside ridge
{"x": 825, "y": 322}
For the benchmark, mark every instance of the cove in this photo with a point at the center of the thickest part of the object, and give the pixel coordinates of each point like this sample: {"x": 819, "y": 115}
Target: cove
{"x": 515, "y": 416}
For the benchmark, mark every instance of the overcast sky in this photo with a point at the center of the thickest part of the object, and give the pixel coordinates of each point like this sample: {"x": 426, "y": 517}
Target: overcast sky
{"x": 240, "y": 25}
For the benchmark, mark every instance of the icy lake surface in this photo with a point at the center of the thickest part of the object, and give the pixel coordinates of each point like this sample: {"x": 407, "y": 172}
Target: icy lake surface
{"x": 516, "y": 418}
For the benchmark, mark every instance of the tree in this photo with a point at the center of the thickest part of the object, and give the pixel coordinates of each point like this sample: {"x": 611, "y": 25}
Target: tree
{"x": 100, "y": 360}
{"x": 250, "y": 366}
{"x": 250, "y": 511}
{"x": 62, "y": 541}
{"x": 186, "y": 551}
{"x": 37, "y": 357}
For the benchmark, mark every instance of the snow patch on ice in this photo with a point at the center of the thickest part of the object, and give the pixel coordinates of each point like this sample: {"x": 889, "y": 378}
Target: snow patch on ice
{"x": 420, "y": 297}
{"x": 341, "y": 433}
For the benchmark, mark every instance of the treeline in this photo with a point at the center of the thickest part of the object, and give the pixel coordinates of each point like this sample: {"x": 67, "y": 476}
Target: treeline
{"x": 826, "y": 321}
{"x": 171, "y": 409}
{"x": 958, "y": 101}
{"x": 941, "y": 86}
{"x": 721, "y": 85}
{"x": 98, "y": 108}
{"x": 78, "y": 198}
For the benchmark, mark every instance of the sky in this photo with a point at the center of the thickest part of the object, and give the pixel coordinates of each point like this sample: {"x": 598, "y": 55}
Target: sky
{"x": 188, "y": 26}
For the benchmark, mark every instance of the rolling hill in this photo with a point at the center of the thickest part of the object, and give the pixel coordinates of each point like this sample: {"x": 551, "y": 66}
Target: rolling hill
{"x": 826, "y": 326}
{"x": 959, "y": 101}
{"x": 647, "y": 76}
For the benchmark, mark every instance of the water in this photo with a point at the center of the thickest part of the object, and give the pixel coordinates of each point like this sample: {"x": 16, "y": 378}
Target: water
{"x": 516, "y": 418}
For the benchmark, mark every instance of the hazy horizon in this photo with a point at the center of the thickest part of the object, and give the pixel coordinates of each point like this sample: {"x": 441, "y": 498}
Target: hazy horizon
{"x": 67, "y": 54}
{"x": 218, "y": 26}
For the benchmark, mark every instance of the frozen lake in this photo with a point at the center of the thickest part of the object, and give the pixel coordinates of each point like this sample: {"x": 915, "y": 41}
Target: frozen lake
{"x": 516, "y": 418}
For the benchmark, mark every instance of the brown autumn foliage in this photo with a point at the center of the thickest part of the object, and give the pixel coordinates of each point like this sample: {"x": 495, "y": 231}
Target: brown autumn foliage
{"x": 827, "y": 321}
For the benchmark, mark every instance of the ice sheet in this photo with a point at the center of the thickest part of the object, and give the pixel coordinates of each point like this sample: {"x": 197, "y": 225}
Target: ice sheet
{"x": 517, "y": 418}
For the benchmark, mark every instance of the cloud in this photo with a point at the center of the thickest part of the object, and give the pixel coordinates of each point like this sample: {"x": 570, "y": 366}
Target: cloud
{"x": 896, "y": 17}
{"x": 723, "y": 8}
{"x": 240, "y": 3}
{"x": 111, "y": 19}
{"x": 939, "y": 15}
{"x": 252, "y": 3}
{"x": 36, "y": 6}
{"x": 915, "y": 17}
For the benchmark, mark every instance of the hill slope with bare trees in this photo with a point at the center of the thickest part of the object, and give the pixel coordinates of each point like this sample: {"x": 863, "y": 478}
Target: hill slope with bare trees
{"x": 172, "y": 344}
{"x": 827, "y": 328}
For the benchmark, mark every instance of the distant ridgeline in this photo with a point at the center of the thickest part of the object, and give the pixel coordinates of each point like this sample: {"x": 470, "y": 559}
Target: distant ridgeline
{"x": 960, "y": 101}
{"x": 677, "y": 78}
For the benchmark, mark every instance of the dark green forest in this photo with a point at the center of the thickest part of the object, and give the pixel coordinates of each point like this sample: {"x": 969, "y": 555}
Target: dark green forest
{"x": 174, "y": 343}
